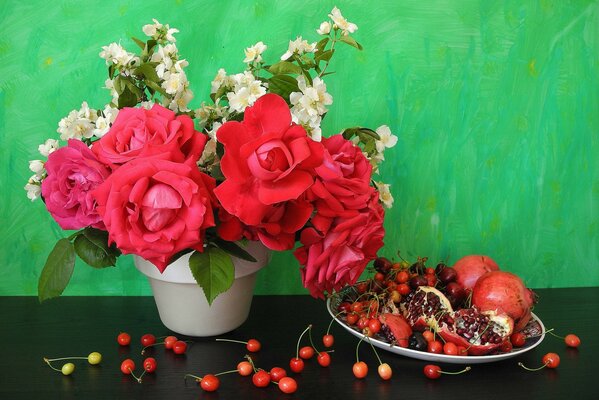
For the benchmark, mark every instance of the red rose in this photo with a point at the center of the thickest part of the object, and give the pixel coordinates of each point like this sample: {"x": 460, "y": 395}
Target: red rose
{"x": 338, "y": 257}
{"x": 343, "y": 181}
{"x": 268, "y": 161}
{"x": 138, "y": 132}
{"x": 155, "y": 208}
{"x": 73, "y": 173}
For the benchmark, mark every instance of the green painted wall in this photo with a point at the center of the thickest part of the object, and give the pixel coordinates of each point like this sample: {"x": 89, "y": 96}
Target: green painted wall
{"x": 496, "y": 105}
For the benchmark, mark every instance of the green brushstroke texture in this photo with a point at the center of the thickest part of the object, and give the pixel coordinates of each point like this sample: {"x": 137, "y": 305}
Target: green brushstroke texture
{"x": 496, "y": 105}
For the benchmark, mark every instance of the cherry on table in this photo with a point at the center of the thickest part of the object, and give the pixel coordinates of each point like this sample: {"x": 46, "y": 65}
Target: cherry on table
{"x": 360, "y": 369}
{"x": 67, "y": 369}
{"x": 287, "y": 385}
{"x": 179, "y": 347}
{"x": 245, "y": 368}
{"x": 251, "y": 345}
{"x": 385, "y": 371}
{"x": 550, "y": 360}
{"x": 572, "y": 340}
{"x": 296, "y": 364}
{"x": 306, "y": 352}
{"x": 148, "y": 339}
{"x": 432, "y": 371}
{"x": 209, "y": 383}
{"x": 127, "y": 366}
{"x": 169, "y": 341}
{"x": 124, "y": 339}
{"x": 261, "y": 378}
{"x": 277, "y": 373}
{"x": 328, "y": 340}
{"x": 324, "y": 359}
{"x": 149, "y": 365}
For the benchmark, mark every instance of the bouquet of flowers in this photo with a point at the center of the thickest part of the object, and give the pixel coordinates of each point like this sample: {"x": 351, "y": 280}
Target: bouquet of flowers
{"x": 148, "y": 175}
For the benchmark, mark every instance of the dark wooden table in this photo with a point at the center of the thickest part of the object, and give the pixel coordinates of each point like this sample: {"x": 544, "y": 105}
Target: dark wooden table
{"x": 79, "y": 325}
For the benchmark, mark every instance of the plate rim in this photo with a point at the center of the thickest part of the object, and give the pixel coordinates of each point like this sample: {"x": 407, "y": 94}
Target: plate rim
{"x": 445, "y": 358}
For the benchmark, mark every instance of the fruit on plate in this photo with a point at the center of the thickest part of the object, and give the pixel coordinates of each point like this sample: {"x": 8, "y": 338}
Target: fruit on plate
{"x": 503, "y": 291}
{"x": 472, "y": 267}
{"x": 479, "y": 332}
{"x": 424, "y": 306}
{"x": 395, "y": 328}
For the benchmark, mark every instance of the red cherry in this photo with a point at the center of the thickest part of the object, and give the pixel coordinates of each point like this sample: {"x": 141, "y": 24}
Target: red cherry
{"x": 451, "y": 349}
{"x": 124, "y": 339}
{"x": 518, "y": 339}
{"x": 374, "y": 325}
{"x": 296, "y": 365}
{"x": 362, "y": 323}
{"x": 403, "y": 289}
{"x": 432, "y": 371}
{"x": 572, "y": 340}
{"x": 277, "y": 373}
{"x": 306, "y": 352}
{"x": 360, "y": 369}
{"x": 148, "y": 339}
{"x": 435, "y": 347}
{"x": 253, "y": 346}
{"x": 245, "y": 368}
{"x": 379, "y": 277}
{"x": 429, "y": 271}
{"x": 352, "y": 319}
{"x": 402, "y": 277}
{"x": 210, "y": 383}
{"x": 127, "y": 366}
{"x": 150, "y": 365}
{"x": 179, "y": 347}
{"x": 261, "y": 379}
{"x": 324, "y": 359}
{"x": 328, "y": 340}
{"x": 551, "y": 360}
{"x": 385, "y": 371}
{"x": 287, "y": 385}
{"x": 169, "y": 341}
{"x": 506, "y": 346}
{"x": 428, "y": 336}
{"x": 357, "y": 307}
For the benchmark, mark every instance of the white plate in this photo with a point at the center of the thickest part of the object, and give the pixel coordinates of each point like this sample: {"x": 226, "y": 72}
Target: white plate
{"x": 531, "y": 343}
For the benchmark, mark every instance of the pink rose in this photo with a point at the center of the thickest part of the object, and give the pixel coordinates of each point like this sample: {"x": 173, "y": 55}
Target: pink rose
{"x": 73, "y": 172}
{"x": 155, "y": 208}
{"x": 138, "y": 132}
{"x": 268, "y": 161}
{"x": 338, "y": 257}
{"x": 343, "y": 181}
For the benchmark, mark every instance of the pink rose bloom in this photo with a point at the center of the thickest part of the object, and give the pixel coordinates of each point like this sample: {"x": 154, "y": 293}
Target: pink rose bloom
{"x": 138, "y": 132}
{"x": 332, "y": 260}
{"x": 155, "y": 208}
{"x": 268, "y": 161}
{"x": 73, "y": 173}
{"x": 342, "y": 185}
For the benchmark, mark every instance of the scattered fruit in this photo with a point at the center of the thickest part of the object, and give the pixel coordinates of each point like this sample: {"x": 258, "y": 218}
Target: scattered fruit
{"x": 287, "y": 385}
{"x": 252, "y": 345}
{"x": 432, "y": 371}
{"x": 124, "y": 339}
{"x": 550, "y": 360}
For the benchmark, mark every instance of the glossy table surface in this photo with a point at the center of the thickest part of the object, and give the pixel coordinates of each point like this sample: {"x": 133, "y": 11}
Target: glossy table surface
{"x": 76, "y": 326}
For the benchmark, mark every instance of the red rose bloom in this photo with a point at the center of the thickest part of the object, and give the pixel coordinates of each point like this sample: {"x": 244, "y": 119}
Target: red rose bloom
{"x": 268, "y": 161}
{"x": 138, "y": 132}
{"x": 155, "y": 208}
{"x": 338, "y": 257}
{"x": 73, "y": 173}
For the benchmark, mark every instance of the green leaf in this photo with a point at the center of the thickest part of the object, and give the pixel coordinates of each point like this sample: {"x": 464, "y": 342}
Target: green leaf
{"x": 148, "y": 70}
{"x": 141, "y": 44}
{"x": 325, "y": 55}
{"x": 233, "y": 249}
{"x": 155, "y": 87}
{"x": 119, "y": 85}
{"x": 351, "y": 41}
{"x": 57, "y": 271}
{"x": 93, "y": 255}
{"x": 127, "y": 98}
{"x": 111, "y": 70}
{"x": 133, "y": 88}
{"x": 283, "y": 85}
{"x": 213, "y": 270}
{"x": 284, "y": 67}
{"x": 322, "y": 44}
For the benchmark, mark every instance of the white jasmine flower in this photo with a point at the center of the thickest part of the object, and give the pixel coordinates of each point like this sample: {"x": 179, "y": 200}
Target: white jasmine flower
{"x": 33, "y": 188}
{"x": 387, "y": 139}
{"x": 209, "y": 152}
{"x": 105, "y": 121}
{"x": 151, "y": 29}
{"x": 182, "y": 99}
{"x": 239, "y": 100}
{"x": 109, "y": 84}
{"x": 212, "y": 132}
{"x": 341, "y": 23}
{"x": 384, "y": 194}
{"x": 298, "y": 46}
{"x": 146, "y": 104}
{"x": 311, "y": 99}
{"x": 37, "y": 167}
{"x": 173, "y": 82}
{"x": 325, "y": 28}
{"x": 48, "y": 147}
{"x": 160, "y": 32}
{"x": 114, "y": 53}
{"x": 219, "y": 80}
{"x": 254, "y": 53}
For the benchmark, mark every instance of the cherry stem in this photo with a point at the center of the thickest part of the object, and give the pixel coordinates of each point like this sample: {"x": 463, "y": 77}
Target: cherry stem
{"x": 133, "y": 375}
{"x": 64, "y": 358}
{"x": 311, "y": 342}
{"x": 375, "y": 352}
{"x": 247, "y": 356}
{"x": 332, "y": 320}
{"x": 533, "y": 369}
{"x": 231, "y": 340}
{"x": 456, "y": 373}
{"x": 50, "y": 365}
{"x": 357, "y": 346}
{"x": 550, "y": 331}
{"x": 309, "y": 328}
{"x": 151, "y": 345}
{"x": 197, "y": 378}
{"x": 227, "y": 372}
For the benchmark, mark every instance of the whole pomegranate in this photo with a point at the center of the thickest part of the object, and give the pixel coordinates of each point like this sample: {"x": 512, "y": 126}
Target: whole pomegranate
{"x": 503, "y": 291}
{"x": 470, "y": 268}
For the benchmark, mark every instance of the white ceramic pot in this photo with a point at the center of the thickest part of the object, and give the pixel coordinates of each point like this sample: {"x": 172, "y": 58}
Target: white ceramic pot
{"x": 181, "y": 302}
